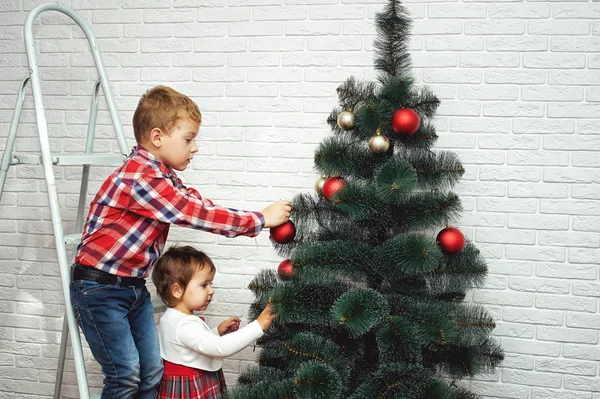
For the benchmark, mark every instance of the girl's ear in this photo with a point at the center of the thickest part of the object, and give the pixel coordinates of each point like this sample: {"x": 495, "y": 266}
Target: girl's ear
{"x": 177, "y": 291}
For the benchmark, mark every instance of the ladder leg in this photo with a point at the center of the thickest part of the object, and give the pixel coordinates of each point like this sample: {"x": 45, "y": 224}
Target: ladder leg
{"x": 12, "y": 134}
{"x": 64, "y": 269}
{"x": 59, "y": 236}
{"x": 61, "y": 358}
{"x": 89, "y": 147}
{"x": 78, "y": 228}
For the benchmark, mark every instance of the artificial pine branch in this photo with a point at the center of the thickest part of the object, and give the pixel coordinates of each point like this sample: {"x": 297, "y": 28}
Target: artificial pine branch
{"x": 439, "y": 170}
{"x": 352, "y": 92}
{"x": 393, "y": 28}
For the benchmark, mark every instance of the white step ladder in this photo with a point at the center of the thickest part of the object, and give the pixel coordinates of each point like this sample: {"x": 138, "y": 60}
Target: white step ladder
{"x": 47, "y": 159}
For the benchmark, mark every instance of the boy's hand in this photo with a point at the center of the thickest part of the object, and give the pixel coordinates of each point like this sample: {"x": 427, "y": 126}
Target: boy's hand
{"x": 277, "y": 213}
{"x": 266, "y": 318}
{"x": 228, "y": 326}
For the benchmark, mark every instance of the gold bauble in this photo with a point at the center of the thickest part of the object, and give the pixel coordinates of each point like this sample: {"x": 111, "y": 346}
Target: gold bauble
{"x": 319, "y": 185}
{"x": 379, "y": 144}
{"x": 345, "y": 120}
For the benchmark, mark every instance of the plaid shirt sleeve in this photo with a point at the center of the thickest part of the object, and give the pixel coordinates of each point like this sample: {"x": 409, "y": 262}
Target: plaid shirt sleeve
{"x": 156, "y": 196}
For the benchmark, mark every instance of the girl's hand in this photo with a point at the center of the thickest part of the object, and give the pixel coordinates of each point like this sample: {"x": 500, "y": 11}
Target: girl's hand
{"x": 228, "y": 326}
{"x": 266, "y": 318}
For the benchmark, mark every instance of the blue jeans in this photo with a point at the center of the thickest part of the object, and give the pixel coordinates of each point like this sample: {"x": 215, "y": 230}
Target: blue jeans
{"x": 118, "y": 324}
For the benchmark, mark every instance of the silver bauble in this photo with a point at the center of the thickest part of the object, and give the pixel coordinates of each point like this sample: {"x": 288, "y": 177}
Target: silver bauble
{"x": 319, "y": 185}
{"x": 379, "y": 144}
{"x": 345, "y": 120}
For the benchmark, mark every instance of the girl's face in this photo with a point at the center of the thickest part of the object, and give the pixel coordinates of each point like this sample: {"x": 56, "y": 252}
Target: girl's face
{"x": 198, "y": 292}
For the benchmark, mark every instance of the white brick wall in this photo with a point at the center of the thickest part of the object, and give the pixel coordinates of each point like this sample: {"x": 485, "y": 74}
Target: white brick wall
{"x": 520, "y": 86}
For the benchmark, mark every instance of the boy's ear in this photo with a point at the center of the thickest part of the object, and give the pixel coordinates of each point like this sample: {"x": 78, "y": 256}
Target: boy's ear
{"x": 176, "y": 290}
{"x": 156, "y": 137}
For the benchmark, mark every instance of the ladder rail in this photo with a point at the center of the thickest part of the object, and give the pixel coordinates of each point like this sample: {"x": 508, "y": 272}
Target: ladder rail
{"x": 62, "y": 355}
{"x": 83, "y": 190}
{"x": 12, "y": 134}
{"x": 46, "y": 156}
{"x": 89, "y": 146}
{"x": 95, "y": 50}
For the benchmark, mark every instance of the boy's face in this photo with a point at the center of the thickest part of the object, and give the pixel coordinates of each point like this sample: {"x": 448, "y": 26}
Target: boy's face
{"x": 178, "y": 148}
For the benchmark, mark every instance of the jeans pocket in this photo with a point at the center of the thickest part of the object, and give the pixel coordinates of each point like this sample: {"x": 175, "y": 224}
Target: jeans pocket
{"x": 105, "y": 303}
{"x": 77, "y": 316}
{"x": 75, "y": 288}
{"x": 89, "y": 287}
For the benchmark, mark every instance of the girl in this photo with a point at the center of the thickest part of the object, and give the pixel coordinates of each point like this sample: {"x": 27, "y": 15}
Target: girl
{"x": 192, "y": 353}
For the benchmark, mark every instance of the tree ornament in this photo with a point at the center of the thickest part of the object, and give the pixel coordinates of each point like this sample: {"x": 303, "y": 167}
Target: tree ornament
{"x": 451, "y": 240}
{"x": 284, "y": 233}
{"x": 332, "y": 187}
{"x": 345, "y": 120}
{"x": 285, "y": 269}
{"x": 319, "y": 185}
{"x": 378, "y": 143}
{"x": 405, "y": 122}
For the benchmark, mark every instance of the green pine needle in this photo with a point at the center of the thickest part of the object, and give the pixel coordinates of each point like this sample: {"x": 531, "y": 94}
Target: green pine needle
{"x": 336, "y": 260}
{"x": 409, "y": 255}
{"x": 352, "y": 92}
{"x": 402, "y": 381}
{"x": 314, "y": 380}
{"x": 359, "y": 310}
{"x": 357, "y": 199}
{"x": 436, "y": 170}
{"x": 393, "y": 29}
{"x": 397, "y": 340}
{"x": 262, "y": 283}
{"x": 395, "y": 180}
{"x": 304, "y": 302}
{"x": 305, "y": 347}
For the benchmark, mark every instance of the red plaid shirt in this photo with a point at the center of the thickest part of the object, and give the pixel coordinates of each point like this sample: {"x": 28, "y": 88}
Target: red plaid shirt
{"x": 129, "y": 218}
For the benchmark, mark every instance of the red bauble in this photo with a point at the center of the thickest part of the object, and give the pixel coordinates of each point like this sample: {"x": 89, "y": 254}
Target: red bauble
{"x": 285, "y": 269}
{"x": 332, "y": 187}
{"x": 405, "y": 122}
{"x": 451, "y": 240}
{"x": 284, "y": 233}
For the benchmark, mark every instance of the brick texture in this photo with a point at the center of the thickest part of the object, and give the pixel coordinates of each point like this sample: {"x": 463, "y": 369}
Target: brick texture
{"x": 520, "y": 94}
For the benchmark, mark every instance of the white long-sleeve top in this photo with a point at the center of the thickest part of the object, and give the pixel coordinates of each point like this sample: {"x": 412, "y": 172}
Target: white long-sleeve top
{"x": 187, "y": 340}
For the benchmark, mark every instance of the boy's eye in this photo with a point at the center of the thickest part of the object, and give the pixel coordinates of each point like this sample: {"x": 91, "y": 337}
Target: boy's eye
{"x": 189, "y": 140}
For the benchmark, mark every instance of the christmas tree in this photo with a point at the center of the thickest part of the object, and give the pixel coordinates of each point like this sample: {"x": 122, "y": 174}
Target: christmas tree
{"x": 370, "y": 301}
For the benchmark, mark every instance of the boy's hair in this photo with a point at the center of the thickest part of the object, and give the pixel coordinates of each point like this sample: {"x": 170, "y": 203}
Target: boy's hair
{"x": 160, "y": 107}
{"x": 177, "y": 266}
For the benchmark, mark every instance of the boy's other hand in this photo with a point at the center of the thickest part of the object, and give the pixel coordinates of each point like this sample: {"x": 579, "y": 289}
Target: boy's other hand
{"x": 266, "y": 318}
{"x": 228, "y": 326}
{"x": 277, "y": 213}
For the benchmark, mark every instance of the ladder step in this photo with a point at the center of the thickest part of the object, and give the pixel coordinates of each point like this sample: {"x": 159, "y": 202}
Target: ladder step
{"x": 70, "y": 159}
{"x": 72, "y": 238}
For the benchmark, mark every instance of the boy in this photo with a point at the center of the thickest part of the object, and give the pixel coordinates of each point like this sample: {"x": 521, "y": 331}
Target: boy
{"x": 125, "y": 232}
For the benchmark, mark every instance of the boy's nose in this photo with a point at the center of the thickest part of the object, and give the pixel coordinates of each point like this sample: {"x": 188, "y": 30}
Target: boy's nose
{"x": 195, "y": 148}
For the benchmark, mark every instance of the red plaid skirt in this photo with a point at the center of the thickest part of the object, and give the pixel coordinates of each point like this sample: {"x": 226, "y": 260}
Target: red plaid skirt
{"x": 182, "y": 382}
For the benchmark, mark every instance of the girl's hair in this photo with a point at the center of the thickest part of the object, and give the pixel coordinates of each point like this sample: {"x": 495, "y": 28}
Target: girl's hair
{"x": 177, "y": 266}
{"x": 161, "y": 107}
